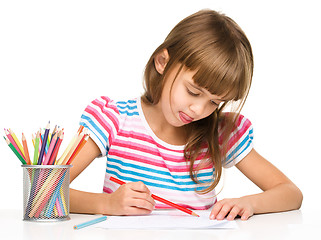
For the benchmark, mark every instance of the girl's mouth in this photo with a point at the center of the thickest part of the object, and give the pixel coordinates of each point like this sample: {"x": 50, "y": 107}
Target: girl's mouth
{"x": 185, "y": 118}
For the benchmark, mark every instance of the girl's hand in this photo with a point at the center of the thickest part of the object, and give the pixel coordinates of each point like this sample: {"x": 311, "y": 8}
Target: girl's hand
{"x": 132, "y": 198}
{"x": 232, "y": 207}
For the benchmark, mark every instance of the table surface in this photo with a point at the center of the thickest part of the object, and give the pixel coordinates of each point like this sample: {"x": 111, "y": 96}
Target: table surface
{"x": 287, "y": 225}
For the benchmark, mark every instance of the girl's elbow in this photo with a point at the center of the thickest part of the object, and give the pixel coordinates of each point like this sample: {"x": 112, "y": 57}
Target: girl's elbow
{"x": 299, "y": 197}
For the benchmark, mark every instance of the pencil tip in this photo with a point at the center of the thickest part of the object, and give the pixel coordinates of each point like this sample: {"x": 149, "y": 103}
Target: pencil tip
{"x": 194, "y": 214}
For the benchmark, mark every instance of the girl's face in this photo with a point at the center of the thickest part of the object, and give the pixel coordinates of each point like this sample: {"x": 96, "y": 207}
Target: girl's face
{"x": 183, "y": 102}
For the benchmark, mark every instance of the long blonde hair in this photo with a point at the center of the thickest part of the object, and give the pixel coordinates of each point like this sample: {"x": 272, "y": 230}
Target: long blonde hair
{"x": 216, "y": 47}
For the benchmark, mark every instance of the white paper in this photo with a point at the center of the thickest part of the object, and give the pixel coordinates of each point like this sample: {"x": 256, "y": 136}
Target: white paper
{"x": 166, "y": 219}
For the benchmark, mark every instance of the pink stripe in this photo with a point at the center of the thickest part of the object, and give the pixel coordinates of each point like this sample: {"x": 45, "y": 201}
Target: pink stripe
{"x": 146, "y": 138}
{"x": 236, "y": 137}
{"x": 223, "y": 124}
{"x": 151, "y": 161}
{"x": 102, "y": 122}
{"x": 145, "y": 160}
{"x": 107, "y": 105}
{"x": 152, "y": 150}
{"x": 106, "y": 110}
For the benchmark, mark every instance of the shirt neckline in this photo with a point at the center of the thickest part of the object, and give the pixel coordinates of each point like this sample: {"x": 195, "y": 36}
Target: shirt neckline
{"x": 150, "y": 131}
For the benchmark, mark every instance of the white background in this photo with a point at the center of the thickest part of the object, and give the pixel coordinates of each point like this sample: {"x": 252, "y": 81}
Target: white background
{"x": 56, "y": 56}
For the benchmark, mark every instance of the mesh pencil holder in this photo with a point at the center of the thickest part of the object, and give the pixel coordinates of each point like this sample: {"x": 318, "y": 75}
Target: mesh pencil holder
{"x": 46, "y": 192}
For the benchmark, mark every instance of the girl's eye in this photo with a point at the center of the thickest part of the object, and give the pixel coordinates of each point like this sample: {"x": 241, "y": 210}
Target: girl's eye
{"x": 192, "y": 93}
{"x": 215, "y": 104}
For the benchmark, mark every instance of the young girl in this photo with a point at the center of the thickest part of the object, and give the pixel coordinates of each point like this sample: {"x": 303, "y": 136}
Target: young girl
{"x": 174, "y": 140}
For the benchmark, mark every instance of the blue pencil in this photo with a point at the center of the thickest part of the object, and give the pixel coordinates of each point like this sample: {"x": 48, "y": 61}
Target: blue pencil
{"x": 91, "y": 222}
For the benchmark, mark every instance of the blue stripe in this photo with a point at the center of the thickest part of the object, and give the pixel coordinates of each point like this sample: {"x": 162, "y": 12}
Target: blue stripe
{"x": 247, "y": 140}
{"x": 126, "y": 102}
{"x": 130, "y": 179}
{"x": 127, "y": 107}
{"x": 146, "y": 169}
{"x": 94, "y": 126}
{"x": 128, "y": 113}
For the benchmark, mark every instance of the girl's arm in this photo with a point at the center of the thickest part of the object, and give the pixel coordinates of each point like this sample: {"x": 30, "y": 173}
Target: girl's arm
{"x": 279, "y": 193}
{"x": 128, "y": 199}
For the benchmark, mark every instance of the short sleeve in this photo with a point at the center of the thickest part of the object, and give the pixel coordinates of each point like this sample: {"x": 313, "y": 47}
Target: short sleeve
{"x": 101, "y": 118}
{"x": 240, "y": 142}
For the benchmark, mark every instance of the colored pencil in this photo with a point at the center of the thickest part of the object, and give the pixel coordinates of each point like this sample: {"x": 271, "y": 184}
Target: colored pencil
{"x": 54, "y": 132}
{"x": 63, "y": 200}
{"x": 91, "y": 222}
{"x": 81, "y": 127}
{"x": 62, "y": 158}
{"x": 50, "y": 150}
{"x": 17, "y": 142}
{"x": 44, "y": 196}
{"x": 33, "y": 140}
{"x": 73, "y": 148}
{"x": 160, "y": 199}
{"x": 25, "y": 148}
{"x": 52, "y": 160}
{"x": 15, "y": 151}
{"x": 36, "y": 152}
{"x": 44, "y": 143}
{"x": 79, "y": 147}
{"x": 9, "y": 136}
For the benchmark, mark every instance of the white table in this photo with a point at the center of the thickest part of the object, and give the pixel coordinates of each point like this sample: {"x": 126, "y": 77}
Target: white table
{"x": 288, "y": 225}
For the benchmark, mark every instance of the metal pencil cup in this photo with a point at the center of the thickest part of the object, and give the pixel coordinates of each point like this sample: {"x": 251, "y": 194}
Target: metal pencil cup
{"x": 46, "y": 192}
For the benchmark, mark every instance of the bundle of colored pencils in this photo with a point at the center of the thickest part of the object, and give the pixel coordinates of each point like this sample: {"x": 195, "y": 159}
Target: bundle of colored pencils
{"x": 46, "y": 146}
{"x": 47, "y": 184}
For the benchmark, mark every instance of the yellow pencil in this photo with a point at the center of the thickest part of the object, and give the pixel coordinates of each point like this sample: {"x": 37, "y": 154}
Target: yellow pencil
{"x": 17, "y": 141}
{"x": 74, "y": 146}
{"x": 62, "y": 158}
{"x": 33, "y": 140}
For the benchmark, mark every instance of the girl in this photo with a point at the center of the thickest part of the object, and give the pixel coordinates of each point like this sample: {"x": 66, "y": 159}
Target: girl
{"x": 175, "y": 139}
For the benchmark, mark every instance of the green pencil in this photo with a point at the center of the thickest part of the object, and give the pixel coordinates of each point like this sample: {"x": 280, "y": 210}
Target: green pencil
{"x": 15, "y": 151}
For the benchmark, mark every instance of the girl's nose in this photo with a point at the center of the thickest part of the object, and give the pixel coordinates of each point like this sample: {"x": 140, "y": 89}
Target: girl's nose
{"x": 197, "y": 108}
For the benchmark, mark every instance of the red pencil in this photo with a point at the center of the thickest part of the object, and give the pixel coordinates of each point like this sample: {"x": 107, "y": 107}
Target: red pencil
{"x": 53, "y": 156}
{"x": 161, "y": 199}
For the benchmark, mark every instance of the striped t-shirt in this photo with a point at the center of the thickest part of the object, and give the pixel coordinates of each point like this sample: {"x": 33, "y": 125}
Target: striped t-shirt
{"x": 135, "y": 153}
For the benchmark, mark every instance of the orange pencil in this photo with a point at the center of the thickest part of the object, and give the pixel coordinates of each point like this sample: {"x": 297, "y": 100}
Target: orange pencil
{"x": 25, "y": 149}
{"x": 190, "y": 212}
{"x": 80, "y": 129}
{"x": 79, "y": 147}
{"x": 76, "y": 143}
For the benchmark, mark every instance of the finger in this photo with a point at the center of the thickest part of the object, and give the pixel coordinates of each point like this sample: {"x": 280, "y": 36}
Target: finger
{"x": 134, "y": 191}
{"x": 216, "y": 209}
{"x": 224, "y": 211}
{"x": 137, "y": 211}
{"x": 144, "y": 196}
{"x": 246, "y": 215}
{"x": 139, "y": 186}
{"x": 142, "y": 204}
{"x": 233, "y": 213}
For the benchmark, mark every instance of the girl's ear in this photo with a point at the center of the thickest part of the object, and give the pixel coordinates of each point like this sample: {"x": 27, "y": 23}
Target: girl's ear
{"x": 160, "y": 60}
